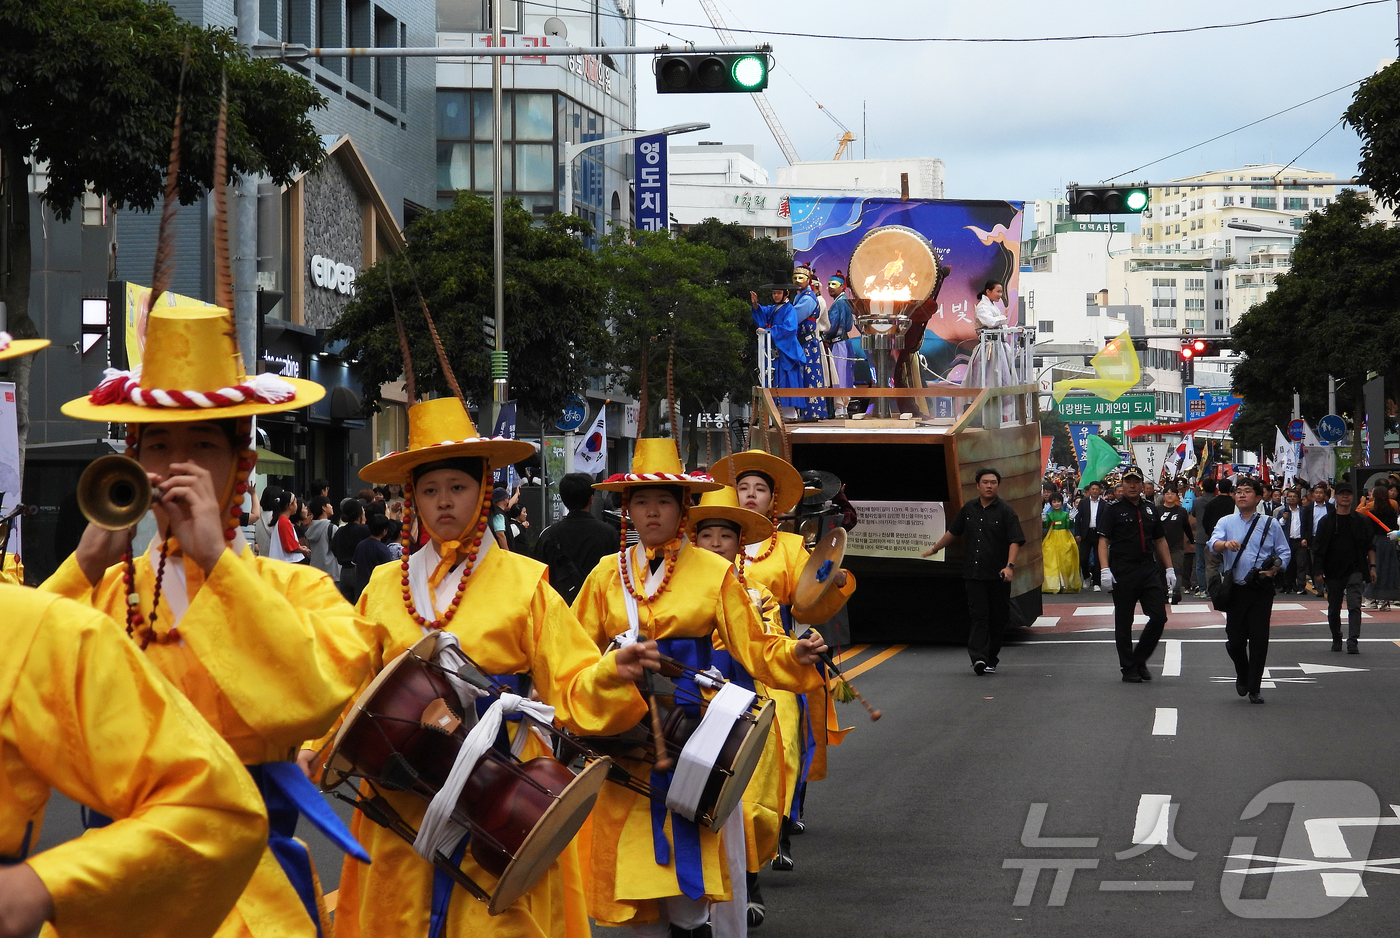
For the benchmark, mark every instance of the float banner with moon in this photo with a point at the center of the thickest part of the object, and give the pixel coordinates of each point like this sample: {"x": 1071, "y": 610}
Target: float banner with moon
{"x": 979, "y": 240}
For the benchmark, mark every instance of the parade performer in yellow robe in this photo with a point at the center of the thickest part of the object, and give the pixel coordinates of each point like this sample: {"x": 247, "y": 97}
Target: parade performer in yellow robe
{"x": 1060, "y": 551}
{"x": 513, "y": 624}
{"x": 81, "y": 711}
{"x": 268, "y": 652}
{"x": 771, "y": 486}
{"x": 651, "y": 868}
{"x": 720, "y": 526}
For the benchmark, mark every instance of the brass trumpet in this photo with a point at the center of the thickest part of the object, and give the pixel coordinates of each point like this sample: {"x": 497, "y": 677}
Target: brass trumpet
{"x": 114, "y": 492}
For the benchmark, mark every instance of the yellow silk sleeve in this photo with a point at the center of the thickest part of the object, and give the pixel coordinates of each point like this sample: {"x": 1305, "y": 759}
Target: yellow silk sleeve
{"x": 96, "y": 722}
{"x": 68, "y": 580}
{"x": 768, "y": 657}
{"x": 288, "y": 654}
{"x": 585, "y": 689}
{"x": 591, "y": 604}
{"x": 829, "y": 605}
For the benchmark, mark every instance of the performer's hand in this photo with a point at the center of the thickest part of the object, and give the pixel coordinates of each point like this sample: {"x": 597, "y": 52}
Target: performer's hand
{"x": 1106, "y": 580}
{"x": 634, "y": 660}
{"x": 809, "y": 648}
{"x": 99, "y": 549}
{"x": 189, "y": 501}
{"x": 753, "y": 300}
{"x": 1171, "y": 579}
{"x": 841, "y": 579}
{"x": 307, "y": 760}
{"x": 25, "y": 903}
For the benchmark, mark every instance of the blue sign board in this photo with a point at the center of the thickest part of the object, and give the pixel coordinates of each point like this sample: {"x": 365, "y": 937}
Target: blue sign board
{"x": 651, "y": 208}
{"x": 575, "y": 413}
{"x": 1202, "y": 402}
{"x": 1331, "y": 429}
{"x": 505, "y": 427}
{"x": 1079, "y": 434}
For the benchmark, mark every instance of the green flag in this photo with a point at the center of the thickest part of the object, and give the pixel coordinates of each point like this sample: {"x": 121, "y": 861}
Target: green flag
{"x": 1099, "y": 458}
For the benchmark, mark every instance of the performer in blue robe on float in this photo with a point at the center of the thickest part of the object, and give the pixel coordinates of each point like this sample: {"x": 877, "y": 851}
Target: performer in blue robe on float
{"x": 792, "y": 321}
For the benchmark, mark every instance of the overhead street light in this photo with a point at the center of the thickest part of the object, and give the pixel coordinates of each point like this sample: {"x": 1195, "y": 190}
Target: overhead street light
{"x": 572, "y": 150}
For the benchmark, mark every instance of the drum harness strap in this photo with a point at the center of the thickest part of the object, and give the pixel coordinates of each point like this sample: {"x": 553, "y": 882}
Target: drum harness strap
{"x": 807, "y": 738}
{"x": 682, "y": 786}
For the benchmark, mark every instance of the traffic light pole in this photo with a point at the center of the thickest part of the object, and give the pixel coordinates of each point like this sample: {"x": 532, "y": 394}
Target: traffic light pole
{"x": 293, "y": 52}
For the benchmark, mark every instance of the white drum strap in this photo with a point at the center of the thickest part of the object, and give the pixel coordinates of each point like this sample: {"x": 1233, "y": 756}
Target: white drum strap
{"x": 439, "y": 833}
{"x": 450, "y": 657}
{"x": 701, "y": 751}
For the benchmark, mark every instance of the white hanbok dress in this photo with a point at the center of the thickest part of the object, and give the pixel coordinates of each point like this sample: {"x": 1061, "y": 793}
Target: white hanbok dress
{"x": 998, "y": 354}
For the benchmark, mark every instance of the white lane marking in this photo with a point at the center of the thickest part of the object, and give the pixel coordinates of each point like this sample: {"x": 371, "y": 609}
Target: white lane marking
{"x": 1289, "y": 606}
{"x": 1153, "y": 813}
{"x": 1045, "y": 622}
{"x": 1171, "y": 662}
{"x": 1220, "y": 626}
{"x": 1185, "y": 609}
{"x": 1345, "y": 885}
{"x": 1165, "y": 723}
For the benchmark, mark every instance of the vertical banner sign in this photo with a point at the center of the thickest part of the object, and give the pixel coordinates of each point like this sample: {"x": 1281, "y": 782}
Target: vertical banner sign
{"x": 552, "y": 454}
{"x": 9, "y": 459}
{"x": 651, "y": 209}
{"x": 591, "y": 452}
{"x": 505, "y": 427}
{"x": 1079, "y": 434}
{"x": 1151, "y": 457}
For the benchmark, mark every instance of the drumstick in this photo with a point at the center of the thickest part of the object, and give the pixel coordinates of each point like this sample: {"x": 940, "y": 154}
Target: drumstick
{"x": 830, "y": 662}
{"x": 658, "y": 735}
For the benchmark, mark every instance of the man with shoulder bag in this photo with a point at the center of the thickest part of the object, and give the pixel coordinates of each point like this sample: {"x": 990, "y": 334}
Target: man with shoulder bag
{"x": 1253, "y": 548}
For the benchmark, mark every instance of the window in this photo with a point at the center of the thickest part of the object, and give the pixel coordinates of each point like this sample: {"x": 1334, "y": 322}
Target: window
{"x": 1164, "y": 281}
{"x": 1219, "y": 324}
{"x": 1219, "y": 284}
{"x": 1195, "y": 283}
{"x": 1164, "y": 324}
{"x": 1229, "y": 200}
{"x": 472, "y": 16}
{"x": 1296, "y": 222}
{"x": 528, "y": 168}
{"x": 1192, "y": 305}
{"x": 1162, "y": 302}
{"x": 1260, "y": 201}
{"x": 1219, "y": 304}
{"x": 1195, "y": 324}
{"x": 1318, "y": 203}
{"x": 1295, "y": 204}
{"x": 1047, "y": 326}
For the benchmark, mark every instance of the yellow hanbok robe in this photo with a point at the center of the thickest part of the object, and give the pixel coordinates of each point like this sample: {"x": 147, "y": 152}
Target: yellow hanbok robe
{"x": 81, "y": 711}
{"x": 13, "y": 570}
{"x": 779, "y": 573}
{"x": 270, "y": 653}
{"x": 704, "y": 596}
{"x": 511, "y": 621}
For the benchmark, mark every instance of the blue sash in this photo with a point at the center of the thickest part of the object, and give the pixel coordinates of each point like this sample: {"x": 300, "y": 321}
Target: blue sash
{"x": 442, "y": 891}
{"x": 288, "y": 793}
{"x": 699, "y": 654}
{"x": 730, "y": 667}
{"x": 807, "y": 741}
{"x": 23, "y": 848}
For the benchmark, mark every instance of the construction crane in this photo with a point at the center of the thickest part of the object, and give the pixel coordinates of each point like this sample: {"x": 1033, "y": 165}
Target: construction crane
{"x": 764, "y": 108}
{"x": 847, "y": 139}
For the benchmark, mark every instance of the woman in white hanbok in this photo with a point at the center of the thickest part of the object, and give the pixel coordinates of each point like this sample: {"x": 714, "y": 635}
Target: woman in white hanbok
{"x": 993, "y": 350}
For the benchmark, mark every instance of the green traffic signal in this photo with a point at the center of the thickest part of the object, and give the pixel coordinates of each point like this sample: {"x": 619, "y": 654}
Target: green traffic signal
{"x": 750, "y": 71}
{"x": 1106, "y": 200}
{"x": 1136, "y": 200}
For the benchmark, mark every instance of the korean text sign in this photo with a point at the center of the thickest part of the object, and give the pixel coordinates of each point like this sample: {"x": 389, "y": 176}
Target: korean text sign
{"x": 651, "y": 209}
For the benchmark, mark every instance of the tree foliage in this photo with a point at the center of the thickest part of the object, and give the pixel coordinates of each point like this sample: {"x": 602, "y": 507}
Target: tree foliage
{"x": 1333, "y": 313}
{"x": 665, "y": 294}
{"x": 555, "y": 294}
{"x": 1062, "y": 445}
{"x": 1375, "y": 115}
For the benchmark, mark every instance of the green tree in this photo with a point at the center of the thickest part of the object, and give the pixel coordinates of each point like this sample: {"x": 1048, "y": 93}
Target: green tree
{"x": 1062, "y": 449}
{"x": 88, "y": 87}
{"x": 666, "y": 305}
{"x": 1375, "y": 115}
{"x": 1254, "y": 425}
{"x": 1333, "y": 313}
{"x": 554, "y": 300}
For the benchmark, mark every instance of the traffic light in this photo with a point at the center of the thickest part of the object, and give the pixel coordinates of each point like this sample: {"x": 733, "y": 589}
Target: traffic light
{"x": 730, "y": 73}
{"x": 1192, "y": 349}
{"x": 1107, "y": 200}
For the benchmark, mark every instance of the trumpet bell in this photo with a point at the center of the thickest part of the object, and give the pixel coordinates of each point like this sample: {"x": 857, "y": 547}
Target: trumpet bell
{"x": 114, "y": 492}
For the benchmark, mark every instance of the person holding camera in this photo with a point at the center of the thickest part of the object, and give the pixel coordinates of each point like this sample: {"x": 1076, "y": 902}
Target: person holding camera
{"x": 1254, "y": 549}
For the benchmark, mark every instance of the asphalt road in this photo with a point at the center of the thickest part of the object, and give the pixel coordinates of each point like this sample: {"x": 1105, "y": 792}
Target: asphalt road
{"x": 1053, "y": 799}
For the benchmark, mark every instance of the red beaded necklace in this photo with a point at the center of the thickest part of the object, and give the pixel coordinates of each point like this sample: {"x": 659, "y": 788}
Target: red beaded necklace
{"x": 772, "y": 542}
{"x": 136, "y": 624}
{"x": 472, "y": 552}
{"x": 671, "y": 557}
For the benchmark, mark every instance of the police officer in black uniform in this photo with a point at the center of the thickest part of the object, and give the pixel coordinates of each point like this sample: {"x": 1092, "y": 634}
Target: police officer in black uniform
{"x": 1132, "y": 544}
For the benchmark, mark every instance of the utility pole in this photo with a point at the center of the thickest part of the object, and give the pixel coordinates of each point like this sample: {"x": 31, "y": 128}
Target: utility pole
{"x": 500, "y": 366}
{"x": 244, "y": 263}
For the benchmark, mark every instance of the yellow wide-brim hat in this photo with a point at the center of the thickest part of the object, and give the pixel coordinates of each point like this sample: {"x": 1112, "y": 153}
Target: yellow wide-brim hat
{"x": 787, "y": 481}
{"x": 14, "y": 348}
{"x": 442, "y": 429}
{"x": 656, "y": 461}
{"x": 190, "y": 371}
{"x": 723, "y": 504}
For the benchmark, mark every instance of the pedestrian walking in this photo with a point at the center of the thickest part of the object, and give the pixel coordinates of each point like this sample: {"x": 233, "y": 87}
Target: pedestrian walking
{"x": 371, "y": 552}
{"x": 992, "y": 537}
{"x": 1317, "y": 508}
{"x": 1133, "y": 553}
{"x": 1086, "y": 533}
{"x": 1290, "y": 518}
{"x": 1345, "y": 554}
{"x": 318, "y": 536}
{"x": 1057, "y": 547}
{"x": 1250, "y": 560}
{"x": 347, "y": 537}
{"x": 1384, "y": 589}
{"x": 1176, "y": 526}
{"x": 573, "y": 545}
{"x": 1198, "y": 515}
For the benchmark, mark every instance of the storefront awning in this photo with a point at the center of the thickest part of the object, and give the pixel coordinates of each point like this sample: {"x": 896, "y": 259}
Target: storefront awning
{"x": 273, "y": 464}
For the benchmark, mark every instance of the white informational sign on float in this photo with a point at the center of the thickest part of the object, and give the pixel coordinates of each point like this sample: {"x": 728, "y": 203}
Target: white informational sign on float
{"x": 9, "y": 460}
{"x": 896, "y": 529}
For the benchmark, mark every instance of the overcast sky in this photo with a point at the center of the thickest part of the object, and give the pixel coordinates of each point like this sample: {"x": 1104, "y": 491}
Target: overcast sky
{"x": 1019, "y": 121}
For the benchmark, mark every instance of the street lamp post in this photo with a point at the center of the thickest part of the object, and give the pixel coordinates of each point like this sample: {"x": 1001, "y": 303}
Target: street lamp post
{"x": 572, "y": 150}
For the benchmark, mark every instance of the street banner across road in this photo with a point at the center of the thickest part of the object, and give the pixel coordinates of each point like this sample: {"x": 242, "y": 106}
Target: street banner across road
{"x": 1091, "y": 407}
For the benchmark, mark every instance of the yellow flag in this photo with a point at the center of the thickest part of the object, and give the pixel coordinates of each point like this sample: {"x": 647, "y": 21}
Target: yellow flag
{"x": 1117, "y": 369}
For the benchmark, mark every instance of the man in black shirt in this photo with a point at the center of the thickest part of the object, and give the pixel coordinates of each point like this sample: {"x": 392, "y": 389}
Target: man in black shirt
{"x": 1133, "y": 553}
{"x": 992, "y": 537}
{"x": 1345, "y": 558}
{"x": 573, "y": 545}
{"x": 1176, "y": 527}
